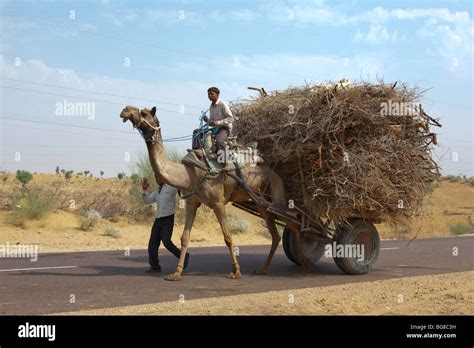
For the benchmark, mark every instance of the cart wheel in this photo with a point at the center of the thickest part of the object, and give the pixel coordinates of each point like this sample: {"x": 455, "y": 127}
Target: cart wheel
{"x": 311, "y": 249}
{"x": 288, "y": 246}
{"x": 359, "y": 232}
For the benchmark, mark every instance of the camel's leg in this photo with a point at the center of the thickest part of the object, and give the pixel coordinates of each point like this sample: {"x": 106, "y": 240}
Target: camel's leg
{"x": 219, "y": 210}
{"x": 305, "y": 263}
{"x": 191, "y": 208}
{"x": 270, "y": 220}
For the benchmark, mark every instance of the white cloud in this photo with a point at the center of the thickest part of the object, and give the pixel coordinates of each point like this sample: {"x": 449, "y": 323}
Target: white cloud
{"x": 452, "y": 37}
{"x": 377, "y": 34}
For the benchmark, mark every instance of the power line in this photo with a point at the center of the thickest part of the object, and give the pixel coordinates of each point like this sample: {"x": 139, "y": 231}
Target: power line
{"x": 117, "y": 38}
{"x": 100, "y": 93}
{"x": 84, "y": 98}
{"x": 66, "y": 125}
{"x": 56, "y": 131}
{"x": 177, "y": 139}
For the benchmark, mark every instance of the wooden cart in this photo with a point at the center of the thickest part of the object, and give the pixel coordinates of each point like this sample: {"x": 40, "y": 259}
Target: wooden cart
{"x": 358, "y": 238}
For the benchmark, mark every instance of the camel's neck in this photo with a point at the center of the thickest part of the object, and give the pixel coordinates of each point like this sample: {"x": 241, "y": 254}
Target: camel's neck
{"x": 170, "y": 173}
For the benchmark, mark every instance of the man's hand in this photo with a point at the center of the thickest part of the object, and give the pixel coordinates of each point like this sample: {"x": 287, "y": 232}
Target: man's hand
{"x": 145, "y": 184}
{"x": 213, "y": 123}
{"x": 206, "y": 119}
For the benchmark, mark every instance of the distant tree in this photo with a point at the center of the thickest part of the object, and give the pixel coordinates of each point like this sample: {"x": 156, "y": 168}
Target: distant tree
{"x": 101, "y": 174}
{"x": 120, "y": 176}
{"x": 63, "y": 171}
{"x": 86, "y": 172}
{"x": 68, "y": 175}
{"x": 23, "y": 176}
{"x": 135, "y": 178}
{"x": 58, "y": 170}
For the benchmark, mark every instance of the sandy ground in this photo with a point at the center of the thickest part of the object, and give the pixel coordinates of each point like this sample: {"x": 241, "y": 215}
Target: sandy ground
{"x": 450, "y": 203}
{"x": 445, "y": 294}
{"x": 60, "y": 232}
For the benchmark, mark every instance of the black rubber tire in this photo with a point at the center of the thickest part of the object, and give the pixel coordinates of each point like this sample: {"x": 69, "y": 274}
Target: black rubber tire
{"x": 287, "y": 241}
{"x": 291, "y": 253}
{"x": 358, "y": 229}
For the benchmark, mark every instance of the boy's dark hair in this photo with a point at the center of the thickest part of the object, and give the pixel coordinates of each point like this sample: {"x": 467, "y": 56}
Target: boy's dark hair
{"x": 214, "y": 89}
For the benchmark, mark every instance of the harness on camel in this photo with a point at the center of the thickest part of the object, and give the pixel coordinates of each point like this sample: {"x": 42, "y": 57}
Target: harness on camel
{"x": 197, "y": 157}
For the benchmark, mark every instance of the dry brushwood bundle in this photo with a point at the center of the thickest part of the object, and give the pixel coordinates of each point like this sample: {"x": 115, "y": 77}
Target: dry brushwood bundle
{"x": 345, "y": 150}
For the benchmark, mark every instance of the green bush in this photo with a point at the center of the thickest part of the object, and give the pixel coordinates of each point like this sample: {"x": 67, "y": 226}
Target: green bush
{"x": 31, "y": 204}
{"x": 68, "y": 175}
{"x": 461, "y": 228}
{"x": 135, "y": 179}
{"x": 110, "y": 231}
{"x": 23, "y": 176}
{"x": 89, "y": 218}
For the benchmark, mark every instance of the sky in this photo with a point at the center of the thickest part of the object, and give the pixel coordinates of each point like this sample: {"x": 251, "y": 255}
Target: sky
{"x": 67, "y": 68}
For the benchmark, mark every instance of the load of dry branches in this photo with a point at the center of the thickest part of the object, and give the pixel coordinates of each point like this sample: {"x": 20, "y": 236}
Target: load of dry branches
{"x": 344, "y": 149}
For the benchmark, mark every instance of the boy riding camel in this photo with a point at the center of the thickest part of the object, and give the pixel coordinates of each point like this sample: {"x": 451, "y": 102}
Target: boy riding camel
{"x": 221, "y": 118}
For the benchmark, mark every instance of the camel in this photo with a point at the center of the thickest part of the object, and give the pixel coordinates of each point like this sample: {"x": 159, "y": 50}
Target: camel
{"x": 213, "y": 191}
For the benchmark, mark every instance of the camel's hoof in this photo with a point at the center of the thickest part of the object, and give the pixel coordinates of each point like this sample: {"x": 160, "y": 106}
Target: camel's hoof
{"x": 236, "y": 275}
{"x": 259, "y": 272}
{"x": 173, "y": 277}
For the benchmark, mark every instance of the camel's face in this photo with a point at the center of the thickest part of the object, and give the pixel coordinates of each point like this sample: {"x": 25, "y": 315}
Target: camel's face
{"x": 143, "y": 119}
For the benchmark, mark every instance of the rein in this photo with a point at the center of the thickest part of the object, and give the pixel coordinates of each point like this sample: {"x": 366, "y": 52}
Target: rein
{"x": 151, "y": 139}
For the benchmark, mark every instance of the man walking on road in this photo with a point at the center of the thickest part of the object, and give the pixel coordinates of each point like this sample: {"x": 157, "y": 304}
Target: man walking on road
{"x": 165, "y": 198}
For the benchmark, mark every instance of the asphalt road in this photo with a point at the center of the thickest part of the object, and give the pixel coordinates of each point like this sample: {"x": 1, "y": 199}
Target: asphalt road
{"x": 110, "y": 278}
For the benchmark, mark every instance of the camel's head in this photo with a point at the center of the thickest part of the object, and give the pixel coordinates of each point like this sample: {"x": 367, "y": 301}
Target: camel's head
{"x": 145, "y": 120}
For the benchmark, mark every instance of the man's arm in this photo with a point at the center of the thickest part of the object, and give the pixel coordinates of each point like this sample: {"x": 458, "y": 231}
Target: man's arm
{"x": 149, "y": 198}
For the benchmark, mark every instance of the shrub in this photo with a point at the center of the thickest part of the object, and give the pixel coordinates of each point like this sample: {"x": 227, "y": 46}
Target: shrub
{"x": 68, "y": 175}
{"x": 237, "y": 224}
{"x": 89, "y": 218}
{"x": 139, "y": 210}
{"x": 135, "y": 178}
{"x": 461, "y": 228}
{"x": 143, "y": 168}
{"x": 31, "y": 204}
{"x": 112, "y": 232}
{"x": 23, "y": 176}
